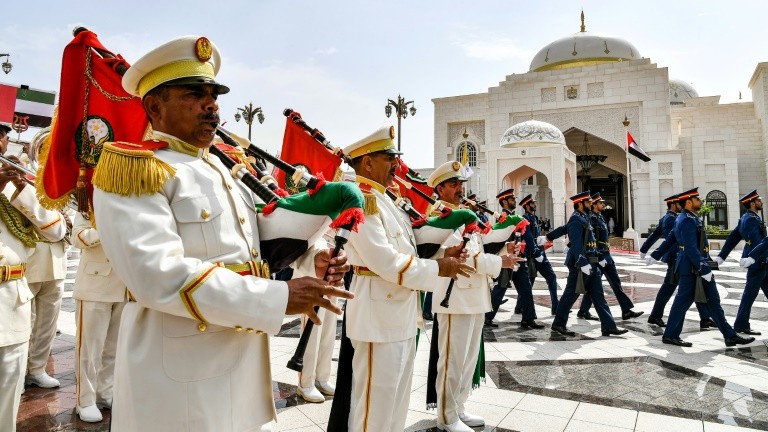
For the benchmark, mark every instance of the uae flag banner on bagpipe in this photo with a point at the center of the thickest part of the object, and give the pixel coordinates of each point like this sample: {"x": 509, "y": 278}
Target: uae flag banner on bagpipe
{"x": 415, "y": 180}
{"x": 93, "y": 109}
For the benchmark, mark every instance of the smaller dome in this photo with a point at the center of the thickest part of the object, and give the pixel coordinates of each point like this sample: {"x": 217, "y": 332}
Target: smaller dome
{"x": 679, "y": 91}
{"x": 531, "y": 133}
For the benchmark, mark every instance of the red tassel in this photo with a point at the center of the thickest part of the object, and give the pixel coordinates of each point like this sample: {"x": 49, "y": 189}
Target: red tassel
{"x": 320, "y": 183}
{"x": 352, "y": 216}
{"x": 503, "y": 217}
{"x": 521, "y": 226}
{"x": 445, "y": 213}
{"x": 281, "y": 192}
{"x": 418, "y": 222}
{"x": 469, "y": 229}
{"x": 487, "y": 229}
{"x": 269, "y": 208}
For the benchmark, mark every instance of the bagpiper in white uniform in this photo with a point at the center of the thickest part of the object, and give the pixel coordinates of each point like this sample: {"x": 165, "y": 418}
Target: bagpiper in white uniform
{"x": 100, "y": 296}
{"x": 381, "y": 321}
{"x": 19, "y": 207}
{"x": 193, "y": 350}
{"x": 461, "y": 324}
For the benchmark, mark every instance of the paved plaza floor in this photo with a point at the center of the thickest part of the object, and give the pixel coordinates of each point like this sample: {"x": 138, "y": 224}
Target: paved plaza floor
{"x": 535, "y": 381}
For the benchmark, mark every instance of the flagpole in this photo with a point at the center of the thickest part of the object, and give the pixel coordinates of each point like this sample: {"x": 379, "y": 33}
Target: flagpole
{"x": 630, "y": 231}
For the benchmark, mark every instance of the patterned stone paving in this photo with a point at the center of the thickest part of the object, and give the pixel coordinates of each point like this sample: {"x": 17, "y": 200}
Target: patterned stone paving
{"x": 535, "y": 380}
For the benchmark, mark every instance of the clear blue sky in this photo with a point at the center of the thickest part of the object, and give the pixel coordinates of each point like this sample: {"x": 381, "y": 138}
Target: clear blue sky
{"x": 338, "y": 62}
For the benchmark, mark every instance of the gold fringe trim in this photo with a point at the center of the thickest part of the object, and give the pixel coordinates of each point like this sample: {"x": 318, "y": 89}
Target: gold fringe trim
{"x": 130, "y": 172}
{"x": 42, "y": 158}
{"x": 370, "y": 208}
{"x": 338, "y": 174}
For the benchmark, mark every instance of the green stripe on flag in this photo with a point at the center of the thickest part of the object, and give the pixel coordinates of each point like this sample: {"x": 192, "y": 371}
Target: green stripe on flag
{"x": 36, "y": 96}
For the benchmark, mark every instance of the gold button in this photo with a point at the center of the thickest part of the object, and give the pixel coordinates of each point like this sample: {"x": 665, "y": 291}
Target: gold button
{"x": 238, "y": 329}
{"x": 249, "y": 331}
{"x": 205, "y": 214}
{"x": 229, "y": 186}
{"x": 389, "y": 296}
{"x": 242, "y": 219}
{"x": 259, "y": 333}
{"x": 202, "y": 326}
{"x": 96, "y": 272}
{"x": 254, "y": 252}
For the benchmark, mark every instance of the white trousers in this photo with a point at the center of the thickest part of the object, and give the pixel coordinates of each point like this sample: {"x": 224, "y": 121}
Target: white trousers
{"x": 319, "y": 354}
{"x": 13, "y": 362}
{"x": 97, "y": 329}
{"x": 381, "y": 385}
{"x": 459, "y": 345}
{"x": 45, "y": 315}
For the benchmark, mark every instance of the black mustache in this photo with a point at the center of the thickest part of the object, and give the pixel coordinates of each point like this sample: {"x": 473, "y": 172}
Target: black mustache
{"x": 210, "y": 118}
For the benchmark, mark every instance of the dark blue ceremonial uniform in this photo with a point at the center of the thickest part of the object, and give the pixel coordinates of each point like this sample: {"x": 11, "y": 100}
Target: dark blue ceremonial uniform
{"x": 692, "y": 264}
{"x": 600, "y": 229}
{"x": 583, "y": 253}
{"x": 752, "y": 229}
{"x": 544, "y": 267}
{"x": 500, "y": 289}
{"x": 667, "y": 253}
{"x": 521, "y": 280}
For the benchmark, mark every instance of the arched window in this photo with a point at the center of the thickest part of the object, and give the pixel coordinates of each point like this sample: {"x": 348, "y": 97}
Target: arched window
{"x": 719, "y": 214}
{"x": 471, "y": 151}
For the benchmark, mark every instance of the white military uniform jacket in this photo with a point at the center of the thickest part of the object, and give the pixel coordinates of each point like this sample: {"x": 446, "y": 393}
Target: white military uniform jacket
{"x": 48, "y": 262}
{"x": 15, "y": 296}
{"x": 386, "y": 306}
{"x": 470, "y": 295}
{"x": 95, "y": 280}
{"x": 195, "y": 340}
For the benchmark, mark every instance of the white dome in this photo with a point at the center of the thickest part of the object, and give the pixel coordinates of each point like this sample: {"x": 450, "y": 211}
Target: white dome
{"x": 531, "y": 132}
{"x": 679, "y": 91}
{"x": 583, "y": 49}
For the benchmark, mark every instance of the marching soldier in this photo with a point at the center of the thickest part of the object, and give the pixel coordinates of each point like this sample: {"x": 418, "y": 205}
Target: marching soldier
{"x": 583, "y": 271}
{"x": 606, "y": 263}
{"x": 461, "y": 323}
{"x": 752, "y": 229}
{"x": 540, "y": 262}
{"x": 507, "y": 202}
{"x": 696, "y": 279}
{"x": 22, "y": 221}
{"x": 381, "y": 321}
{"x": 667, "y": 252}
{"x": 193, "y": 352}
{"x": 100, "y": 297}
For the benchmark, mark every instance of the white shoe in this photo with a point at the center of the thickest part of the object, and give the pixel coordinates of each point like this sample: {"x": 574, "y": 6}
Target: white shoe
{"x": 325, "y": 387}
{"x": 42, "y": 380}
{"x": 310, "y": 394}
{"x": 457, "y": 426}
{"x": 472, "y": 420}
{"x": 90, "y": 414}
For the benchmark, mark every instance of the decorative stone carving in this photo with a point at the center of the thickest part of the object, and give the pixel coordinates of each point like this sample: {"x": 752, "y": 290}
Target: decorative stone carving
{"x": 595, "y": 90}
{"x": 532, "y": 131}
{"x": 665, "y": 169}
{"x": 571, "y": 92}
{"x": 548, "y": 94}
{"x": 475, "y": 129}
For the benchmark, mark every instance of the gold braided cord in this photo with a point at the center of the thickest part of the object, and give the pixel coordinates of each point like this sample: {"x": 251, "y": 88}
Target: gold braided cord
{"x": 17, "y": 223}
{"x": 370, "y": 206}
{"x": 129, "y": 172}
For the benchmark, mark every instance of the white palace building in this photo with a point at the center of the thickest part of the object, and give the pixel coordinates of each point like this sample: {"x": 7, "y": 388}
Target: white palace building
{"x": 532, "y": 131}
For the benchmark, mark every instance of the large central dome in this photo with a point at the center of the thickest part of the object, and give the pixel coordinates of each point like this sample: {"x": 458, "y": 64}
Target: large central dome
{"x": 583, "y": 49}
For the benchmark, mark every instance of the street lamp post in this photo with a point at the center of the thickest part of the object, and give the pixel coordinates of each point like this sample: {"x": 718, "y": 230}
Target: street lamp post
{"x": 6, "y": 65}
{"x": 248, "y": 113}
{"x": 401, "y": 109}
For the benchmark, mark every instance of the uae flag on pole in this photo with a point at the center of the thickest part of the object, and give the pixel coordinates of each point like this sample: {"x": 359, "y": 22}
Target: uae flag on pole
{"x": 25, "y": 105}
{"x": 635, "y": 149}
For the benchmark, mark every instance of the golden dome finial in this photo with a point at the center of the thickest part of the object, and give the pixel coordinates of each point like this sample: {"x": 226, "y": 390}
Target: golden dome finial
{"x": 583, "y": 27}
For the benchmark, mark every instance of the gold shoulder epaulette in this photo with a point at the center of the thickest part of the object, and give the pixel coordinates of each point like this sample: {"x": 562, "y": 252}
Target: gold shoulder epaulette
{"x": 131, "y": 169}
{"x": 370, "y": 206}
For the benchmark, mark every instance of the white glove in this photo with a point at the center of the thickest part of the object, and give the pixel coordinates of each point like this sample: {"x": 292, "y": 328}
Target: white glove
{"x": 540, "y": 258}
{"x": 586, "y": 268}
{"x": 541, "y": 240}
{"x": 642, "y": 255}
{"x": 746, "y": 262}
{"x": 565, "y": 250}
{"x": 603, "y": 263}
{"x": 707, "y": 277}
{"x": 650, "y": 260}
{"x": 719, "y": 260}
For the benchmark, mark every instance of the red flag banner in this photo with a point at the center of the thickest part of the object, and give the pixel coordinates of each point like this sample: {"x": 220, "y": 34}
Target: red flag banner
{"x": 300, "y": 149}
{"x": 635, "y": 149}
{"x": 93, "y": 109}
{"x": 418, "y": 182}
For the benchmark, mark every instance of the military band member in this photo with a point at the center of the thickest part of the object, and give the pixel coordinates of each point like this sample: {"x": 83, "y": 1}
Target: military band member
{"x": 507, "y": 202}
{"x": 752, "y": 229}
{"x": 381, "y": 321}
{"x": 540, "y": 261}
{"x": 583, "y": 269}
{"x": 22, "y": 220}
{"x": 181, "y": 232}
{"x": 667, "y": 252}
{"x": 606, "y": 263}
{"x": 461, "y": 323}
{"x": 694, "y": 270}
{"x": 99, "y": 296}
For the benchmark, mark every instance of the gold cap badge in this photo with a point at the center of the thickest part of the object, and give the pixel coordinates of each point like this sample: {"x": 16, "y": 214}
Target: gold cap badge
{"x": 456, "y": 166}
{"x": 203, "y": 49}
